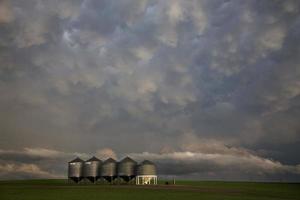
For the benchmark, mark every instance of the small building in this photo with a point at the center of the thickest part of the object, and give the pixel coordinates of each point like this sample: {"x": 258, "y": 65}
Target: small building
{"x": 75, "y": 170}
{"x": 91, "y": 169}
{"x": 146, "y": 173}
{"x": 126, "y": 169}
{"x": 109, "y": 170}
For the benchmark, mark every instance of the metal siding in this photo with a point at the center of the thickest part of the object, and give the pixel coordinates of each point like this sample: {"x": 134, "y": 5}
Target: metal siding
{"x": 109, "y": 168}
{"x": 146, "y": 169}
{"x": 91, "y": 168}
{"x": 75, "y": 169}
{"x": 127, "y": 167}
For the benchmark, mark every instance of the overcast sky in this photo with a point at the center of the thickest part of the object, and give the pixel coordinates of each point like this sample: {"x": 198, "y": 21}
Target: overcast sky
{"x": 206, "y": 89}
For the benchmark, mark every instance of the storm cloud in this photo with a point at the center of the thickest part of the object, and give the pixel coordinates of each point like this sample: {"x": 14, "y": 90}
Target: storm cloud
{"x": 210, "y": 88}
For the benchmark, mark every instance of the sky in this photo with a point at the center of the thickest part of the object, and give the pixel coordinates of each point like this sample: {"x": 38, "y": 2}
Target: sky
{"x": 206, "y": 89}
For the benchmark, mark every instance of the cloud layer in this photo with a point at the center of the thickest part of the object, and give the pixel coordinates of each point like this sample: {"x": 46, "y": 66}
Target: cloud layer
{"x": 218, "y": 162}
{"x": 150, "y": 76}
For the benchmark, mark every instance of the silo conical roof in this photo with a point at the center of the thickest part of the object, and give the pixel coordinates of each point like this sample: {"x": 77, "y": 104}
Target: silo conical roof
{"x": 76, "y": 160}
{"x": 109, "y": 160}
{"x": 93, "y": 159}
{"x": 147, "y": 162}
{"x": 127, "y": 159}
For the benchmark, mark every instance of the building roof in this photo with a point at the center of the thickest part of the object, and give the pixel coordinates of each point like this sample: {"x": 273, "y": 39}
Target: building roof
{"x": 147, "y": 162}
{"x": 109, "y": 160}
{"x": 93, "y": 159}
{"x": 76, "y": 160}
{"x": 128, "y": 159}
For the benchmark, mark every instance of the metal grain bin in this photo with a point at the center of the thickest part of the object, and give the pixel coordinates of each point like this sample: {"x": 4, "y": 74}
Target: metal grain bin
{"x": 146, "y": 168}
{"x": 75, "y": 169}
{"x": 126, "y": 169}
{"x": 91, "y": 169}
{"x": 109, "y": 169}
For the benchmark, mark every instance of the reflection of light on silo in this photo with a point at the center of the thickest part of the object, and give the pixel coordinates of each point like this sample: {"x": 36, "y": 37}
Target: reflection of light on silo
{"x": 109, "y": 169}
{"x": 91, "y": 169}
{"x": 75, "y": 170}
{"x": 146, "y": 168}
{"x": 126, "y": 169}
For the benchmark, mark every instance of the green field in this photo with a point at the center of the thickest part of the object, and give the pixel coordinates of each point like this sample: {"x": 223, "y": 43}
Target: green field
{"x": 60, "y": 189}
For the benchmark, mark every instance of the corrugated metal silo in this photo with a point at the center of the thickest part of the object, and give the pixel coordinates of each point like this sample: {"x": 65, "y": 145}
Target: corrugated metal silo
{"x": 146, "y": 168}
{"x": 126, "y": 169}
{"x": 109, "y": 169}
{"x": 91, "y": 169}
{"x": 75, "y": 169}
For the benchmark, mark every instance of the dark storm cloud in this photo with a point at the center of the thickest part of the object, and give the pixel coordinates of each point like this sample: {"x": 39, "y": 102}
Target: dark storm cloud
{"x": 135, "y": 76}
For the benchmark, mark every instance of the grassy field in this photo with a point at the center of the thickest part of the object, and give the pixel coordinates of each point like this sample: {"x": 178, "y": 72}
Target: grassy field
{"x": 60, "y": 189}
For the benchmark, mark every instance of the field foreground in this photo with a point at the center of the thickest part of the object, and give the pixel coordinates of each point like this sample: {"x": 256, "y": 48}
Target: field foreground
{"x": 60, "y": 189}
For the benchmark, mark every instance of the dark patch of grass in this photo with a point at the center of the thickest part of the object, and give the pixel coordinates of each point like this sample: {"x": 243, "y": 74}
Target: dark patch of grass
{"x": 60, "y": 189}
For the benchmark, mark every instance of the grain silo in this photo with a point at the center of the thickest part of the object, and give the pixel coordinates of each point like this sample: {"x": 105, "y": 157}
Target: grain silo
{"x": 126, "y": 169}
{"x": 146, "y": 173}
{"x": 75, "y": 170}
{"x": 91, "y": 169}
{"x": 109, "y": 169}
